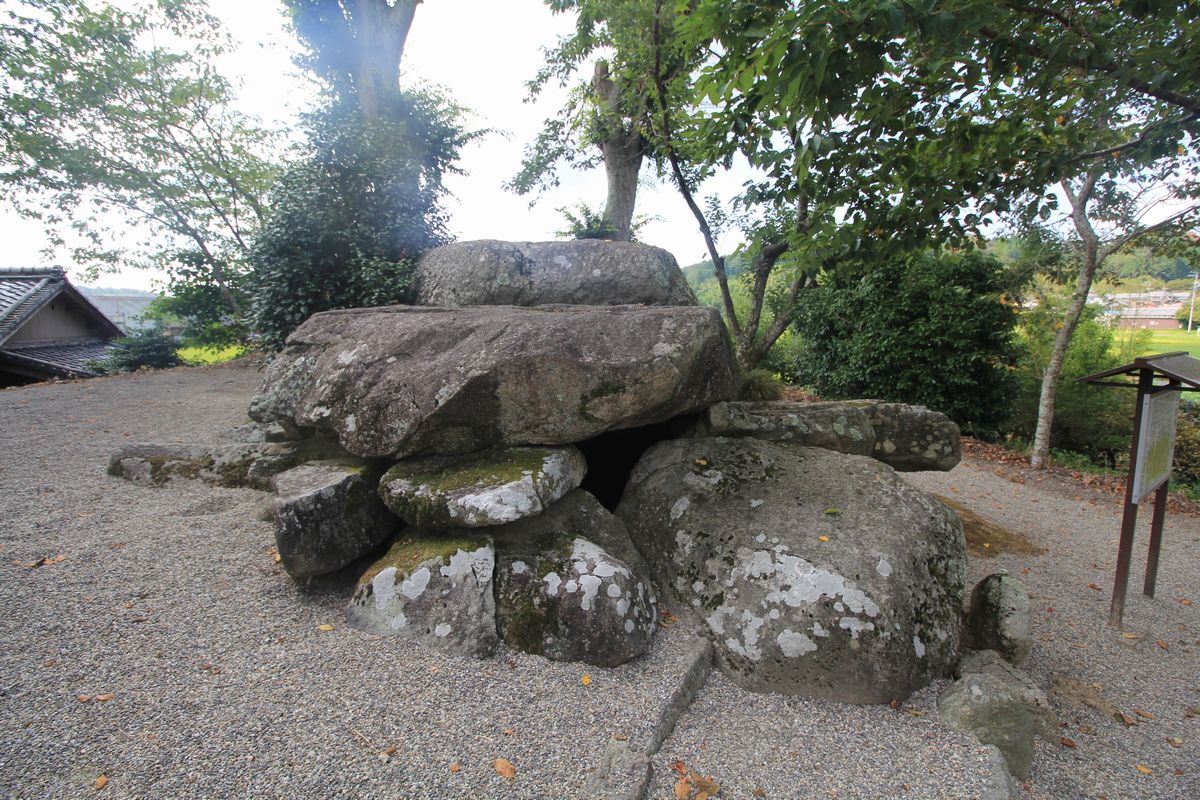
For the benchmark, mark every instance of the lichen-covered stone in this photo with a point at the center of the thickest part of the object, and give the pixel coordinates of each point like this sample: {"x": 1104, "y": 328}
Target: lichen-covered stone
{"x": 250, "y": 465}
{"x": 912, "y": 438}
{"x": 570, "y": 586}
{"x": 832, "y": 426}
{"x": 431, "y": 589}
{"x": 480, "y": 489}
{"x": 989, "y": 662}
{"x": 327, "y": 514}
{"x": 404, "y": 381}
{"x": 587, "y": 272}
{"x": 816, "y": 573}
{"x": 999, "y": 617}
{"x": 991, "y": 710}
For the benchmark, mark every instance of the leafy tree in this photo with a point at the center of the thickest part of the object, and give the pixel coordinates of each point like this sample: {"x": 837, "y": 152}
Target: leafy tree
{"x": 115, "y": 124}
{"x": 363, "y": 199}
{"x": 353, "y": 214}
{"x": 930, "y": 329}
{"x": 608, "y": 118}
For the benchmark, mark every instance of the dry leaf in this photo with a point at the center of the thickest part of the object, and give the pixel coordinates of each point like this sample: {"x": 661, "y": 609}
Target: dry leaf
{"x": 325, "y": 627}
{"x": 586, "y": 680}
{"x": 912, "y": 712}
{"x": 1175, "y": 741}
{"x": 1128, "y": 720}
{"x": 101, "y": 782}
{"x": 1067, "y": 742}
{"x": 104, "y": 698}
{"x": 701, "y": 462}
{"x": 760, "y": 792}
{"x": 677, "y": 767}
{"x": 1138, "y": 711}
{"x": 390, "y": 751}
{"x": 508, "y": 731}
{"x": 1183, "y": 601}
{"x": 1128, "y": 635}
{"x": 822, "y": 538}
{"x": 1143, "y": 769}
{"x": 1094, "y": 586}
{"x": 706, "y": 786}
{"x": 1163, "y": 644}
{"x": 1192, "y": 712}
{"x": 83, "y": 698}
{"x": 1178, "y": 773}
{"x": 455, "y": 766}
{"x": 505, "y": 768}
{"x": 682, "y": 789}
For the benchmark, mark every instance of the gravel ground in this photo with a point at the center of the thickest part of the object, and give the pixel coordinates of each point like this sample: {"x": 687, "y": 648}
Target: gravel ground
{"x": 224, "y": 686}
{"x": 158, "y": 583}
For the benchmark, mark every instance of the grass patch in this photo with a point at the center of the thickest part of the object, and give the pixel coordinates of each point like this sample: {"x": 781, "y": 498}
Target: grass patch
{"x": 1170, "y": 341}
{"x": 200, "y": 356}
{"x": 986, "y": 539}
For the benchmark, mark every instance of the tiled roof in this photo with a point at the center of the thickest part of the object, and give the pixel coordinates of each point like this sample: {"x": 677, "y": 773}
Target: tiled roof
{"x": 22, "y": 292}
{"x": 67, "y": 359}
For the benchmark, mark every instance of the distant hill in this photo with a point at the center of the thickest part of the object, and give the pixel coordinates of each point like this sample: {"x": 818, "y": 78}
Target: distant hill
{"x": 697, "y": 274}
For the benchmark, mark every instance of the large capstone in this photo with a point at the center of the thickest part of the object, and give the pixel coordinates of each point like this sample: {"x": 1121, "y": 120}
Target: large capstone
{"x": 481, "y": 489}
{"x": 816, "y": 573}
{"x": 833, "y": 426}
{"x": 432, "y": 589}
{"x": 403, "y": 381}
{"x": 586, "y": 272}
{"x": 912, "y": 438}
{"x": 570, "y": 586}
{"x": 327, "y": 514}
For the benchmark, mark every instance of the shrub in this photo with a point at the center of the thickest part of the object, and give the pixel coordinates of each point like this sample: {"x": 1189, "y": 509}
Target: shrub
{"x": 761, "y": 384}
{"x": 350, "y": 219}
{"x": 1186, "y": 466}
{"x": 930, "y": 329}
{"x": 149, "y": 348}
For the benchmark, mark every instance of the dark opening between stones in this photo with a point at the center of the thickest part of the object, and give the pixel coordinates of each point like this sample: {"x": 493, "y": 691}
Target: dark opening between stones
{"x": 612, "y": 456}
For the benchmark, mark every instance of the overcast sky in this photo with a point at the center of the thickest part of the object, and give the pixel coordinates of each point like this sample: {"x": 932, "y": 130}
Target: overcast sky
{"x": 482, "y": 52}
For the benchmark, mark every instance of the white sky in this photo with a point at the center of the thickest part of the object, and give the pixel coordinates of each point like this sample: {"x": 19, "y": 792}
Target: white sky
{"x": 482, "y": 52}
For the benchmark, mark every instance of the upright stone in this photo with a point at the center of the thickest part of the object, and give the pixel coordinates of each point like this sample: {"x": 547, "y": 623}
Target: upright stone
{"x": 403, "y": 381}
{"x": 436, "y": 590}
{"x": 816, "y": 573}
{"x": 587, "y": 272}
{"x": 999, "y": 617}
{"x": 327, "y": 514}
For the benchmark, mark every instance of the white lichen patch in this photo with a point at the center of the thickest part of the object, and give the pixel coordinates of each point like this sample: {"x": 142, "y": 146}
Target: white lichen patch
{"x": 883, "y": 568}
{"x": 918, "y": 647}
{"x": 479, "y": 562}
{"x": 855, "y": 626}
{"x": 383, "y": 587}
{"x": 756, "y": 504}
{"x": 414, "y": 585}
{"x": 614, "y": 590}
{"x": 591, "y": 587}
{"x": 442, "y": 630}
{"x": 794, "y": 644}
{"x": 552, "y": 583}
{"x": 519, "y": 567}
{"x": 681, "y": 505}
{"x": 497, "y": 505}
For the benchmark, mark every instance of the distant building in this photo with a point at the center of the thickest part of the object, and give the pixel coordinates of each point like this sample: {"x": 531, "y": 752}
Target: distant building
{"x": 1149, "y": 310}
{"x": 125, "y": 307}
{"x": 48, "y": 329}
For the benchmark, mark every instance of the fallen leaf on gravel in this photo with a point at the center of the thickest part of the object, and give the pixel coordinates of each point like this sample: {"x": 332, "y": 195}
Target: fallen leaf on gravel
{"x": 117, "y": 545}
{"x": 389, "y": 752}
{"x": 1192, "y": 712}
{"x": 678, "y": 767}
{"x": 1094, "y": 586}
{"x": 84, "y": 698}
{"x": 682, "y": 789}
{"x": 101, "y": 782}
{"x": 1175, "y": 741}
{"x": 508, "y": 731}
{"x": 1128, "y": 720}
{"x": 586, "y": 680}
{"x": 104, "y": 698}
{"x": 325, "y": 627}
{"x": 455, "y": 766}
{"x": 1144, "y": 714}
{"x": 1183, "y": 601}
{"x": 1067, "y": 742}
{"x": 822, "y": 538}
{"x": 701, "y": 462}
{"x": 274, "y": 554}
{"x": 912, "y": 712}
{"x": 1128, "y": 635}
{"x": 1163, "y": 644}
{"x": 706, "y": 787}
{"x": 1144, "y": 769}
{"x": 832, "y": 512}
{"x": 760, "y": 792}
{"x": 1178, "y": 773}
{"x": 505, "y": 768}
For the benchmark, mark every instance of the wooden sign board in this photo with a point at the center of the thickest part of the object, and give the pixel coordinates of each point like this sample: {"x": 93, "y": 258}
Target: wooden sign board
{"x": 1156, "y": 442}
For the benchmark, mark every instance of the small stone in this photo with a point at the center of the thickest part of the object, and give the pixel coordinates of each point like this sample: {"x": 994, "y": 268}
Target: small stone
{"x": 999, "y": 617}
{"x": 988, "y": 708}
{"x": 990, "y": 662}
{"x": 483, "y": 489}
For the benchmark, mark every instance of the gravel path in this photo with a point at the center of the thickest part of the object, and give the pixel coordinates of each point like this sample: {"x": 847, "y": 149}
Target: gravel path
{"x": 224, "y": 686}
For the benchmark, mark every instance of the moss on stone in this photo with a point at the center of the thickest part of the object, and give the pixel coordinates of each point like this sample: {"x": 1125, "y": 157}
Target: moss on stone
{"x": 409, "y": 552}
{"x": 498, "y": 467}
{"x": 525, "y": 626}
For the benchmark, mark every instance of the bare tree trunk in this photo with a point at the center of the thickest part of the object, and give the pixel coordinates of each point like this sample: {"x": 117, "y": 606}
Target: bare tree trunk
{"x": 1062, "y": 340}
{"x": 381, "y": 30}
{"x": 623, "y": 148}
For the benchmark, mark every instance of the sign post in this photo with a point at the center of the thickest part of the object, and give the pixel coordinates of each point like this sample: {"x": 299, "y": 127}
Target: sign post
{"x": 1155, "y": 415}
